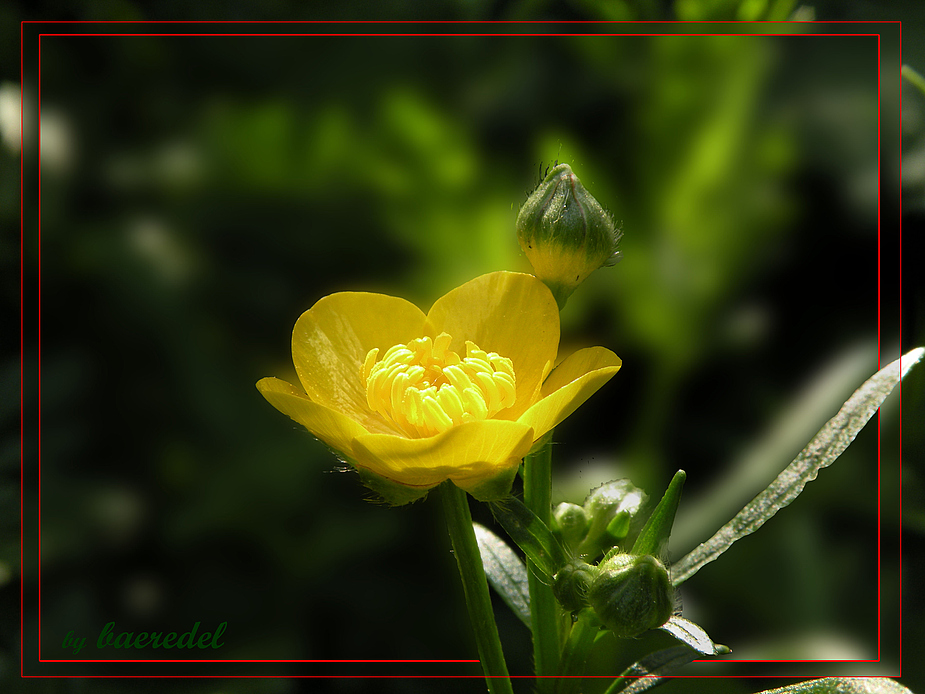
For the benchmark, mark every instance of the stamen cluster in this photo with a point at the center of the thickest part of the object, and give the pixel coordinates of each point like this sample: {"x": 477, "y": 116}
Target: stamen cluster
{"x": 424, "y": 388}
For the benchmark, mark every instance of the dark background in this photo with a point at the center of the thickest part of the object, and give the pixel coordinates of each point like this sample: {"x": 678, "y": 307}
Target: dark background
{"x": 199, "y": 193}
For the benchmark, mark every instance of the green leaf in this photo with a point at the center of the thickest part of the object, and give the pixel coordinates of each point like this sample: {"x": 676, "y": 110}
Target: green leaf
{"x": 505, "y": 571}
{"x": 654, "y": 535}
{"x": 913, "y": 77}
{"x": 694, "y": 636}
{"x": 760, "y": 461}
{"x": 829, "y": 443}
{"x": 530, "y": 534}
{"x": 843, "y": 685}
{"x": 647, "y": 673}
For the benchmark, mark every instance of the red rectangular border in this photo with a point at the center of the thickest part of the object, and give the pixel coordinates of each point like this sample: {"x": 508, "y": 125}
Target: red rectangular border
{"x": 416, "y": 34}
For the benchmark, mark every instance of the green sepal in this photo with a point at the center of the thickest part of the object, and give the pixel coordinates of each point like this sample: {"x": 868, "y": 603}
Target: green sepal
{"x": 655, "y": 534}
{"x": 389, "y": 492}
{"x": 619, "y": 526}
{"x": 395, "y": 494}
{"x": 497, "y": 488}
{"x": 530, "y": 534}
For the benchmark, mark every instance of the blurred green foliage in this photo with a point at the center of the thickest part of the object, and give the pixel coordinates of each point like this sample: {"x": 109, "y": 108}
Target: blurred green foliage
{"x": 198, "y": 194}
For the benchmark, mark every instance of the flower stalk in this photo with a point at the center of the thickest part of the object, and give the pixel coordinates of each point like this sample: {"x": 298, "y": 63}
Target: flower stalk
{"x": 576, "y": 650}
{"x": 544, "y": 611}
{"x": 475, "y": 587}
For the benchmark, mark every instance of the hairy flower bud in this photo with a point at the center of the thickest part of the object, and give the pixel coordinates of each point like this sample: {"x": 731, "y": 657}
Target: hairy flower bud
{"x": 614, "y": 513}
{"x": 572, "y": 583}
{"x": 631, "y": 594}
{"x": 565, "y": 233}
{"x": 571, "y": 523}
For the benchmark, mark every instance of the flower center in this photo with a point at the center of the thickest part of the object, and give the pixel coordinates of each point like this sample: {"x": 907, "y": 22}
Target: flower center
{"x": 425, "y": 388}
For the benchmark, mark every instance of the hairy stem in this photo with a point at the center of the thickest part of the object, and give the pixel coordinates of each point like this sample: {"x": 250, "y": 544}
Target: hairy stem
{"x": 543, "y": 608}
{"x": 475, "y": 587}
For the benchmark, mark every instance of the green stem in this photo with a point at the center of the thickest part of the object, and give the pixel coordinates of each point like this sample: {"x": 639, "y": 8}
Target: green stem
{"x": 576, "y": 650}
{"x": 544, "y": 611}
{"x": 475, "y": 587}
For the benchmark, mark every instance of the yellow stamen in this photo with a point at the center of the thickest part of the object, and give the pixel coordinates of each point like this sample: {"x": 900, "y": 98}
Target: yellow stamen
{"x": 425, "y": 388}
{"x": 370, "y": 360}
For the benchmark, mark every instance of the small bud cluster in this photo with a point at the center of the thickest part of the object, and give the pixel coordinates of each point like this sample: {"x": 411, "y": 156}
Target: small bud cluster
{"x": 629, "y": 593}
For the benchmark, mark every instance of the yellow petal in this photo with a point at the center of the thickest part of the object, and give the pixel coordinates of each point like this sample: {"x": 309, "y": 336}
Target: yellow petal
{"x": 468, "y": 454}
{"x": 572, "y": 382}
{"x": 330, "y": 342}
{"x": 509, "y": 313}
{"x": 335, "y": 429}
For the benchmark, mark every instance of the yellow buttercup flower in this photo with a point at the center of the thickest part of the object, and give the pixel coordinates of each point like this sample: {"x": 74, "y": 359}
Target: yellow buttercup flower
{"x": 462, "y": 393}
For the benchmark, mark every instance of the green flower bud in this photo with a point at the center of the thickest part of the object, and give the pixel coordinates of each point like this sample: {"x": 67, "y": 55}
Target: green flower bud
{"x": 613, "y": 512}
{"x": 565, "y": 233}
{"x": 572, "y": 583}
{"x": 571, "y": 523}
{"x": 631, "y": 594}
